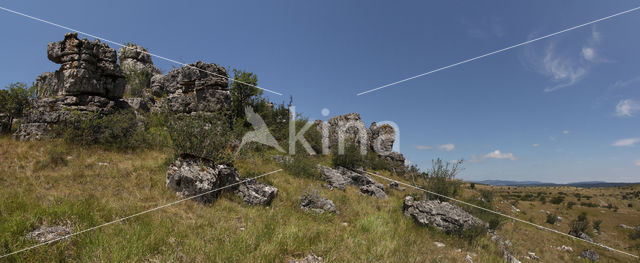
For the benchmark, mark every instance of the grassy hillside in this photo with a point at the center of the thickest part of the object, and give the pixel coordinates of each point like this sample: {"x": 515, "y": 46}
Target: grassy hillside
{"x": 50, "y": 183}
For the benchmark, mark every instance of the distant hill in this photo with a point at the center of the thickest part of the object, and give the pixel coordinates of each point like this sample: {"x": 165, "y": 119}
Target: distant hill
{"x": 587, "y": 184}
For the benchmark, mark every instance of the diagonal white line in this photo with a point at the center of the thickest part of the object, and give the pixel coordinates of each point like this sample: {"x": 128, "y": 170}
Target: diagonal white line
{"x": 122, "y": 45}
{"x": 137, "y": 214}
{"x": 498, "y": 51}
{"x": 501, "y": 214}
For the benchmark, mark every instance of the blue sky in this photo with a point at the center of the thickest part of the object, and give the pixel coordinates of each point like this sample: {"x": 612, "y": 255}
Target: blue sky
{"x": 561, "y": 109}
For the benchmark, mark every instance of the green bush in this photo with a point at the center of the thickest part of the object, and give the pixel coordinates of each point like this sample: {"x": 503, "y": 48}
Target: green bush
{"x": 351, "y": 159}
{"x": 579, "y": 225}
{"x": 570, "y": 204}
{"x": 596, "y": 224}
{"x": 301, "y": 165}
{"x": 552, "y": 219}
{"x": 205, "y": 135}
{"x": 119, "y": 131}
{"x": 635, "y": 234}
{"x": 441, "y": 179}
{"x": 56, "y": 157}
{"x": 556, "y": 200}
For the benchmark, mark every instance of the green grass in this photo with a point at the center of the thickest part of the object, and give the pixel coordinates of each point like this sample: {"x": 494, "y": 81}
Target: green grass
{"x": 82, "y": 194}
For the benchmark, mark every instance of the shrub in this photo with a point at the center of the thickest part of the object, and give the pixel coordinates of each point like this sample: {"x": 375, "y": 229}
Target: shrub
{"x": 301, "y": 165}
{"x": 472, "y": 233}
{"x": 119, "y": 131}
{"x": 14, "y": 103}
{"x": 552, "y": 219}
{"x": 472, "y": 186}
{"x": 635, "y": 234}
{"x": 556, "y": 200}
{"x": 588, "y": 204}
{"x": 205, "y": 135}
{"x": 56, "y": 157}
{"x": 486, "y": 195}
{"x": 543, "y": 199}
{"x": 596, "y": 224}
{"x": 630, "y": 205}
{"x": 351, "y": 159}
{"x": 570, "y": 204}
{"x": 579, "y": 225}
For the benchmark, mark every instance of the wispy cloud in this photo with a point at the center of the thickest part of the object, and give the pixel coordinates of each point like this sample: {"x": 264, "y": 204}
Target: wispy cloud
{"x": 629, "y": 142}
{"x": 626, "y": 108}
{"x": 567, "y": 68}
{"x": 624, "y": 83}
{"x": 637, "y": 162}
{"x": 565, "y": 132}
{"x": 497, "y": 154}
{"x": 535, "y": 145}
{"x": 444, "y": 147}
{"x": 423, "y": 147}
{"x": 447, "y": 147}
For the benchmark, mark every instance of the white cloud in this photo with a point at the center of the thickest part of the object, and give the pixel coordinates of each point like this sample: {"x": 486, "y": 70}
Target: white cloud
{"x": 565, "y": 132}
{"x": 497, "y": 154}
{"x": 589, "y": 53}
{"x": 535, "y": 145}
{"x": 444, "y": 147}
{"x": 626, "y": 108}
{"x": 630, "y": 142}
{"x": 423, "y": 147}
{"x": 447, "y": 147}
{"x": 566, "y": 67}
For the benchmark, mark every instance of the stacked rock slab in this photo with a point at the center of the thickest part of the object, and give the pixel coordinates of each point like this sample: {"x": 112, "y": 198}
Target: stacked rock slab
{"x": 138, "y": 68}
{"x": 199, "y": 87}
{"x": 89, "y": 81}
{"x": 340, "y": 177}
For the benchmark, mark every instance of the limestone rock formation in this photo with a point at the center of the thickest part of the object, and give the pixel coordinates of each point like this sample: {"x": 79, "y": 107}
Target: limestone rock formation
{"x": 198, "y": 87}
{"x": 89, "y": 81}
{"x": 255, "y": 193}
{"x": 87, "y": 68}
{"x": 590, "y": 255}
{"x": 581, "y": 235}
{"x": 191, "y": 176}
{"x": 138, "y": 69}
{"x": 341, "y": 177}
{"x": 382, "y": 138}
{"x": 317, "y": 203}
{"x": 46, "y": 234}
{"x": 442, "y": 215}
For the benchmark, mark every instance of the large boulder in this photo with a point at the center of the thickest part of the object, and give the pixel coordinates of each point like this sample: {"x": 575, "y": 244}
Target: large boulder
{"x": 87, "y": 68}
{"x": 193, "y": 176}
{"x": 442, "y": 215}
{"x": 193, "y": 88}
{"x": 581, "y": 235}
{"x": 382, "y": 138}
{"x": 47, "y": 234}
{"x": 333, "y": 178}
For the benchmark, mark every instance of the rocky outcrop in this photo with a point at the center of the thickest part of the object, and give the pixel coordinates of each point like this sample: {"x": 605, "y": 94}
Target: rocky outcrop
{"x": 193, "y": 176}
{"x": 87, "y": 68}
{"x": 382, "y": 138}
{"x": 138, "y": 69}
{"x": 590, "y": 255}
{"x": 317, "y": 203}
{"x": 199, "y": 87}
{"x": 502, "y": 245}
{"x": 47, "y": 234}
{"x": 442, "y": 215}
{"x": 255, "y": 193}
{"x": 89, "y": 81}
{"x": 341, "y": 177}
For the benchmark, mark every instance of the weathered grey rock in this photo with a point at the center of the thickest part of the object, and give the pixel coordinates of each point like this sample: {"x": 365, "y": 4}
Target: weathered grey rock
{"x": 373, "y": 190}
{"x": 396, "y": 186}
{"x": 311, "y": 258}
{"x": 284, "y": 159}
{"x": 502, "y": 245}
{"x": 590, "y": 255}
{"x": 442, "y": 215}
{"x": 46, "y": 234}
{"x": 138, "y": 70}
{"x": 139, "y": 104}
{"x": 341, "y": 177}
{"x": 315, "y": 202}
{"x": 190, "y": 176}
{"x": 334, "y": 178}
{"x": 87, "y": 68}
{"x": 255, "y": 193}
{"x": 382, "y": 138}
{"x": 46, "y": 113}
{"x": 192, "y": 88}
{"x": 581, "y": 235}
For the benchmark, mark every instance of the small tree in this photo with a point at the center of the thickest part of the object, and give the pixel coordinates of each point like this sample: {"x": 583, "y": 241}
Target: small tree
{"x": 15, "y": 100}
{"x": 243, "y": 92}
{"x": 440, "y": 178}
